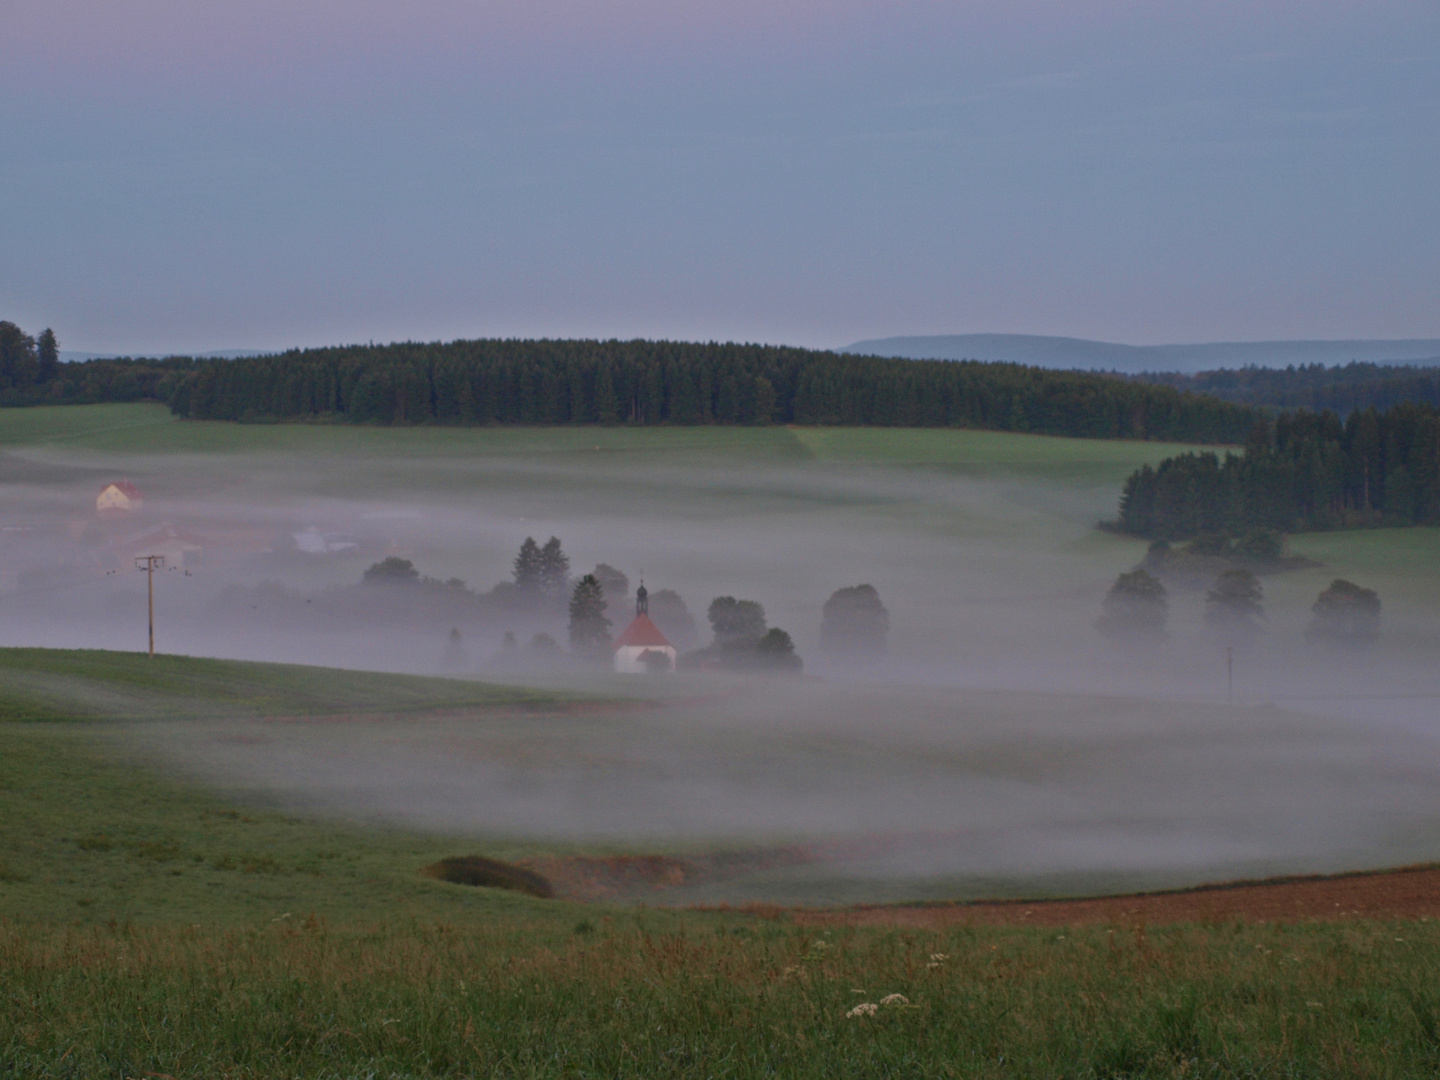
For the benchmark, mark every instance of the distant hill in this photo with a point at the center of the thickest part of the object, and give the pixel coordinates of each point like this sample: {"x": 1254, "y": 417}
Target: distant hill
{"x": 1082, "y": 355}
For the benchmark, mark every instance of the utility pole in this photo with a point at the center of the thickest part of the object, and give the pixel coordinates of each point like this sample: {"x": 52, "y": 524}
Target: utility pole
{"x": 1230, "y": 674}
{"x": 150, "y": 563}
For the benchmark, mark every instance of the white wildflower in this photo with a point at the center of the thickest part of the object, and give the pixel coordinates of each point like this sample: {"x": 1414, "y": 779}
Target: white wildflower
{"x": 939, "y": 957}
{"x": 865, "y": 1008}
{"x": 894, "y": 999}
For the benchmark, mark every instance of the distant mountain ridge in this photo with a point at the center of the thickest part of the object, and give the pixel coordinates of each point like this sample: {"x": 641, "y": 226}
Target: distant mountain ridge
{"x": 1082, "y": 355}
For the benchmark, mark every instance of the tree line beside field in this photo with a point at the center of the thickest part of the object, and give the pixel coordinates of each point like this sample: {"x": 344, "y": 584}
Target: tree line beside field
{"x": 1303, "y": 471}
{"x": 654, "y": 382}
{"x": 618, "y": 382}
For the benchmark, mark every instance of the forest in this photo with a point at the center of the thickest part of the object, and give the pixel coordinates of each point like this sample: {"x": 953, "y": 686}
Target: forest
{"x": 1301, "y": 471}
{"x": 1341, "y": 388}
{"x": 657, "y": 382}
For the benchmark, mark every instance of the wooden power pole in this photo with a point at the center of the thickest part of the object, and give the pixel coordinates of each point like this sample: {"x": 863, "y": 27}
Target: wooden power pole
{"x": 150, "y": 563}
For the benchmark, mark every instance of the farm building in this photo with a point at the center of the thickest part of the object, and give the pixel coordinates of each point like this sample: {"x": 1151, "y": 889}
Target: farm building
{"x": 642, "y": 648}
{"x": 120, "y": 497}
{"x": 182, "y": 550}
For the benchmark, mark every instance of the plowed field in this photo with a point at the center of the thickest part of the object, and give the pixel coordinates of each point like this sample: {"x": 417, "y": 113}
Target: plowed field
{"x": 1406, "y": 893}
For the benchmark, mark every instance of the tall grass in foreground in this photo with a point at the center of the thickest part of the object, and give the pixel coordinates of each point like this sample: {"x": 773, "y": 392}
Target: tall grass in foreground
{"x": 715, "y": 996}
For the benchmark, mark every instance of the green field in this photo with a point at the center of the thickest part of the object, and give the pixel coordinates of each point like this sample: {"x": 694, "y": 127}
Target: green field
{"x": 149, "y": 928}
{"x": 39, "y": 684}
{"x": 91, "y": 830}
{"x": 213, "y": 867}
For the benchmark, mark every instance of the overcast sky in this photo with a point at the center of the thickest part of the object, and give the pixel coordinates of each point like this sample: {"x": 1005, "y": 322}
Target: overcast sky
{"x": 192, "y": 175}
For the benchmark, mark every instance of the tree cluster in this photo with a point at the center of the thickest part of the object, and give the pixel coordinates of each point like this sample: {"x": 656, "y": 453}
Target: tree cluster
{"x": 542, "y": 574}
{"x": 742, "y": 641}
{"x": 31, "y": 374}
{"x": 660, "y": 382}
{"x": 1305, "y": 471}
{"x": 1342, "y": 389}
{"x": 1135, "y": 611}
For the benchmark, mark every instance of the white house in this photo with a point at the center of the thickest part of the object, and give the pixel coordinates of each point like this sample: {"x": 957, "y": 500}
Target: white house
{"x": 642, "y": 648}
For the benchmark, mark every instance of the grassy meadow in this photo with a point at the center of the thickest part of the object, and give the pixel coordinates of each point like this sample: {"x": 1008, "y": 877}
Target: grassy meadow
{"x": 150, "y": 927}
{"x": 212, "y": 867}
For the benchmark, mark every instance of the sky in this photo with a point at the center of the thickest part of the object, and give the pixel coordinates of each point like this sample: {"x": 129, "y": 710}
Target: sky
{"x": 186, "y": 175}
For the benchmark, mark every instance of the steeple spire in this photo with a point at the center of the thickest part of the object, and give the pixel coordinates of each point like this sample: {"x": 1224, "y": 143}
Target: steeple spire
{"x": 642, "y": 600}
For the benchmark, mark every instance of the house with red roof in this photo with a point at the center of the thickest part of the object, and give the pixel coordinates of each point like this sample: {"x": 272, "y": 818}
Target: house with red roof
{"x": 121, "y": 497}
{"x": 642, "y": 649}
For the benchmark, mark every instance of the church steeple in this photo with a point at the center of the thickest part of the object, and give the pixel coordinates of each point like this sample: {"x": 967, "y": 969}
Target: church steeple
{"x": 642, "y": 600}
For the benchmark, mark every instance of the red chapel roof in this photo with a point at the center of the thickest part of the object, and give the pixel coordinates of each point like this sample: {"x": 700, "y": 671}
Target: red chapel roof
{"x": 644, "y": 633}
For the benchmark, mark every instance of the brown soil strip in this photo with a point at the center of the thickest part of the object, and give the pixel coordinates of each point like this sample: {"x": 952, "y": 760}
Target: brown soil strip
{"x": 619, "y": 878}
{"x": 1411, "y": 892}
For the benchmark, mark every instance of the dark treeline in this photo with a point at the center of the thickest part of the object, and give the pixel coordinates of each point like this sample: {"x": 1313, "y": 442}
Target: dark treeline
{"x": 650, "y": 382}
{"x": 1302, "y": 471}
{"x": 1341, "y": 389}
{"x": 31, "y": 374}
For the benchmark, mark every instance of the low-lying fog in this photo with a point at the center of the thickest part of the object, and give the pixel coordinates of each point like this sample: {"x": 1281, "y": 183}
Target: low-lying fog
{"x": 893, "y": 790}
{"x": 1001, "y": 742}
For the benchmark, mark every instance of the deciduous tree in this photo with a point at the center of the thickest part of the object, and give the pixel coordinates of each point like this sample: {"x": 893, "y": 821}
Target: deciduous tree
{"x": 1345, "y": 614}
{"x": 392, "y": 571}
{"x": 736, "y": 622}
{"x": 1135, "y": 608}
{"x": 854, "y": 622}
{"x": 1234, "y": 608}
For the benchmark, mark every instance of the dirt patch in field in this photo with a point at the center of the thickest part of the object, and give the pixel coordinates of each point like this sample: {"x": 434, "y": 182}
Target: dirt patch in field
{"x": 641, "y": 877}
{"x": 478, "y": 871}
{"x": 1411, "y": 892}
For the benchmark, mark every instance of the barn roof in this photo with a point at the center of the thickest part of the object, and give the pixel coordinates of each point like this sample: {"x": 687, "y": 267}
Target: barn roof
{"x": 125, "y": 487}
{"x": 644, "y": 633}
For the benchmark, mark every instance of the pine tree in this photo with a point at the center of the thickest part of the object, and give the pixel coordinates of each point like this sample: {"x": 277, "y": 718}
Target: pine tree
{"x": 589, "y": 628}
{"x": 607, "y": 411}
{"x": 554, "y": 576}
{"x": 764, "y": 400}
{"x": 528, "y": 572}
{"x": 47, "y": 351}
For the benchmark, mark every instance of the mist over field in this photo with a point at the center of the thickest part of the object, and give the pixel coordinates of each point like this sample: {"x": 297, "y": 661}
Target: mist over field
{"x": 1002, "y": 744}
